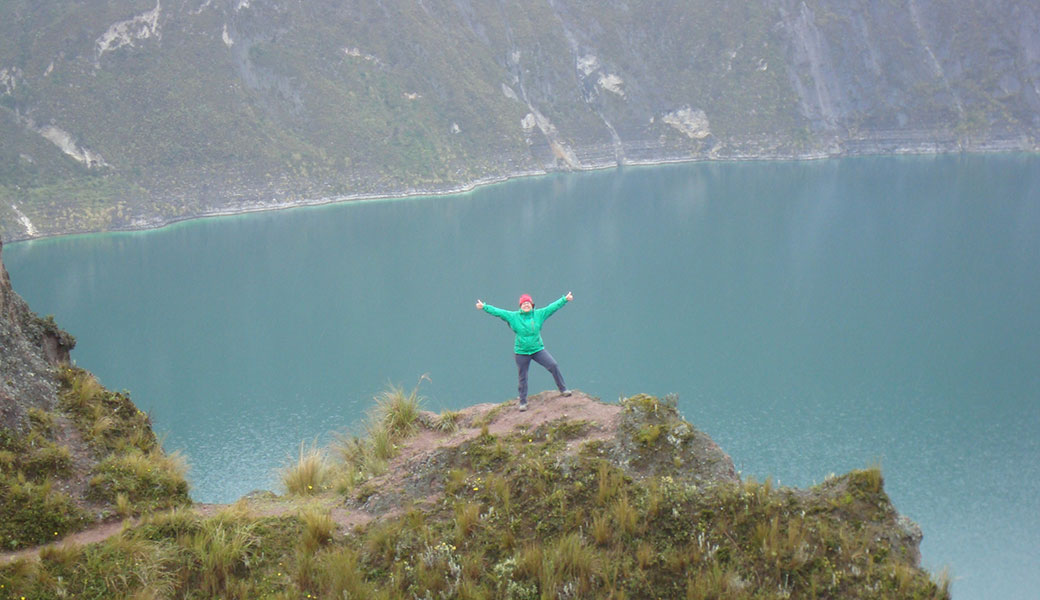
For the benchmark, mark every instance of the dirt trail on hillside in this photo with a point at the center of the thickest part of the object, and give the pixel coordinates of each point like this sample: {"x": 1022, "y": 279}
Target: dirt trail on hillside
{"x": 345, "y": 519}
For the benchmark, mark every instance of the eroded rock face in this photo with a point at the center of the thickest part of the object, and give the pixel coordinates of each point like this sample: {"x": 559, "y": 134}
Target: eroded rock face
{"x": 30, "y": 348}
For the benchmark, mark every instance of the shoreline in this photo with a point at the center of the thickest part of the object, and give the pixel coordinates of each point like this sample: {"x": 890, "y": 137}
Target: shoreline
{"x": 144, "y": 226}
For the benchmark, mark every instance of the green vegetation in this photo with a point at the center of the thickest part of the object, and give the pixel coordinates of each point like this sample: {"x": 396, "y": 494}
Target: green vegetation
{"x": 31, "y": 464}
{"x": 134, "y": 466}
{"x": 397, "y": 411}
{"x": 124, "y": 469}
{"x": 171, "y": 554}
{"x": 34, "y": 511}
{"x": 517, "y": 516}
{"x": 145, "y": 481}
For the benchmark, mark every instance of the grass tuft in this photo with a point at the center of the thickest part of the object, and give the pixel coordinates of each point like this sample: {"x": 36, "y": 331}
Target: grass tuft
{"x": 222, "y": 551}
{"x": 398, "y": 411}
{"x": 467, "y": 517}
{"x": 448, "y": 421}
{"x": 311, "y": 474}
{"x": 626, "y": 517}
{"x": 602, "y": 529}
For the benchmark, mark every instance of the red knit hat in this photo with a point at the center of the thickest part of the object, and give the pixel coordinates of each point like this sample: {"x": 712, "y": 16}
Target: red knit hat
{"x": 525, "y": 298}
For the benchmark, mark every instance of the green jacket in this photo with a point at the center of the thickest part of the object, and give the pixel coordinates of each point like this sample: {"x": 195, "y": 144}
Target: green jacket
{"x": 528, "y": 326}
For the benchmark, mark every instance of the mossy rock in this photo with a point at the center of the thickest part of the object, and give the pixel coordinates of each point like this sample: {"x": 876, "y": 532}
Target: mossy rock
{"x": 653, "y": 439}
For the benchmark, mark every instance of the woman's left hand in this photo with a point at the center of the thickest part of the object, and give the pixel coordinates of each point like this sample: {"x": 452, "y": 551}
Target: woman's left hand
{"x": 569, "y": 296}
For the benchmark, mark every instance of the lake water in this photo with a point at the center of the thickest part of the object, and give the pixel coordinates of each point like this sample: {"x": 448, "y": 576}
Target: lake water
{"x": 813, "y": 317}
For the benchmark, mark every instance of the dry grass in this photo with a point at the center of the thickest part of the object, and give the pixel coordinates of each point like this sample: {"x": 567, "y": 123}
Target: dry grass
{"x": 448, "y": 421}
{"x": 318, "y": 529}
{"x": 602, "y": 529}
{"x": 310, "y": 474}
{"x": 608, "y": 483}
{"x": 467, "y": 517}
{"x": 221, "y": 551}
{"x": 397, "y": 411}
{"x": 626, "y": 517}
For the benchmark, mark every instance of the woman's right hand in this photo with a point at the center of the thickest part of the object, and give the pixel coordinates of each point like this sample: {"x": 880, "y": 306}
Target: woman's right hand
{"x": 480, "y": 305}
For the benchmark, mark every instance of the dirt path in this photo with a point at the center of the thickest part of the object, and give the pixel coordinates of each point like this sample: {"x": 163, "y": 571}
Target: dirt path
{"x": 91, "y": 535}
{"x": 345, "y": 519}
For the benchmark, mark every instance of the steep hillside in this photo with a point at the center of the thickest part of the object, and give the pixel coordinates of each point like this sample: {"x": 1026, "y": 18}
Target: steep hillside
{"x": 32, "y": 349}
{"x": 71, "y": 452}
{"x": 135, "y": 113}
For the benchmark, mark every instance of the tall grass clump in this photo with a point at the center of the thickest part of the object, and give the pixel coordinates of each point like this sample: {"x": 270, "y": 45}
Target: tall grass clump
{"x": 310, "y": 474}
{"x": 871, "y": 478}
{"x": 318, "y": 529}
{"x": 626, "y": 516}
{"x": 222, "y": 550}
{"x": 608, "y": 483}
{"x": 109, "y": 421}
{"x": 35, "y": 513}
{"x": 467, "y": 517}
{"x": 397, "y": 411}
{"x": 573, "y": 559}
{"x": 83, "y": 389}
{"x": 395, "y": 416}
{"x": 341, "y": 575}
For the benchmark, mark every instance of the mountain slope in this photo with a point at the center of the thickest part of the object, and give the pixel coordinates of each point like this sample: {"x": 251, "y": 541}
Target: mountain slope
{"x": 139, "y": 112}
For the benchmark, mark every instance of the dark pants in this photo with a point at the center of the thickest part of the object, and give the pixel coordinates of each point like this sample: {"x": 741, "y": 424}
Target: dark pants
{"x": 542, "y": 357}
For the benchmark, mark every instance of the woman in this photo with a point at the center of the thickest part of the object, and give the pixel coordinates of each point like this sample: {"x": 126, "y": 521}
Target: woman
{"x": 527, "y": 324}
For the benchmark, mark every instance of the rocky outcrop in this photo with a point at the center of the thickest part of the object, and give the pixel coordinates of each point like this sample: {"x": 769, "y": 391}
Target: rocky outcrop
{"x": 31, "y": 349}
{"x": 643, "y": 439}
{"x": 643, "y": 436}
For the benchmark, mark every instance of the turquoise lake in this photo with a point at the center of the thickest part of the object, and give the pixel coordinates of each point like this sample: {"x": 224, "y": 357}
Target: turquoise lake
{"x": 813, "y": 318}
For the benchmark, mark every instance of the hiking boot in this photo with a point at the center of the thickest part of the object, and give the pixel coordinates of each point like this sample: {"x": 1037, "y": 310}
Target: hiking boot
{"x": 565, "y": 393}
{"x": 523, "y": 406}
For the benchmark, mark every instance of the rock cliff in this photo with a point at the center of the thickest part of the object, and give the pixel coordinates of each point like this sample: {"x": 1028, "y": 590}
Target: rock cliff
{"x": 32, "y": 350}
